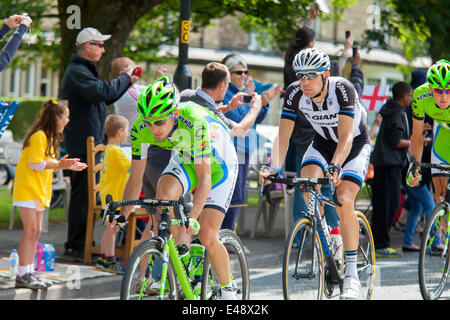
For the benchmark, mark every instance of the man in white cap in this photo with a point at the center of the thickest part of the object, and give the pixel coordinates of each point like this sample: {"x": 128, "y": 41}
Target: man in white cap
{"x": 88, "y": 97}
{"x": 91, "y": 43}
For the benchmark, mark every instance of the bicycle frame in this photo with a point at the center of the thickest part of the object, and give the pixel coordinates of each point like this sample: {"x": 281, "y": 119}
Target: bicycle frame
{"x": 169, "y": 250}
{"x": 319, "y": 226}
{"x": 313, "y": 214}
{"x": 168, "y": 247}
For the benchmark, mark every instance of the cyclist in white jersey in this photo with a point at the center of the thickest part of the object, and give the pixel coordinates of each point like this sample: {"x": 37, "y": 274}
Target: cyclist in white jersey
{"x": 340, "y": 148}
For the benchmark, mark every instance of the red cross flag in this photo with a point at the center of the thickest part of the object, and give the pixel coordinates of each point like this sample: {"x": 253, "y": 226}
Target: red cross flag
{"x": 374, "y": 97}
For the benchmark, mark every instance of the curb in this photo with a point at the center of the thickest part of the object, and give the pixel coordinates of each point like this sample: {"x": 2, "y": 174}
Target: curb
{"x": 92, "y": 288}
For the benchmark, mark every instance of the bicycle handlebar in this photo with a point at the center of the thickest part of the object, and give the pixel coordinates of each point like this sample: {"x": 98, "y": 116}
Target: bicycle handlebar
{"x": 111, "y": 206}
{"x": 440, "y": 166}
{"x": 293, "y": 181}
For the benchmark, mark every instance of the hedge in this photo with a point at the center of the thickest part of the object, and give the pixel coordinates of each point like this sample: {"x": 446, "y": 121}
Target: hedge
{"x": 25, "y": 115}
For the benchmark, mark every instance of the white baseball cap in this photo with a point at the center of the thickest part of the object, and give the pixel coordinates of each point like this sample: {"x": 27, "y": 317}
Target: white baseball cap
{"x": 91, "y": 34}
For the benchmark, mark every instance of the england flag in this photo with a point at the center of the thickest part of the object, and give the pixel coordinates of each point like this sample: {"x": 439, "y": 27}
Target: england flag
{"x": 374, "y": 97}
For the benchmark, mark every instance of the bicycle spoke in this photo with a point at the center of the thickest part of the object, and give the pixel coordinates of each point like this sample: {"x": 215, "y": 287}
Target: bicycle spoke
{"x": 433, "y": 258}
{"x": 303, "y": 271}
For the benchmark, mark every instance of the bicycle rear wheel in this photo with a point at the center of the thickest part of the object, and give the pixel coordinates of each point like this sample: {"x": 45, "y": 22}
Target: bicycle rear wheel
{"x": 434, "y": 262}
{"x": 210, "y": 286}
{"x": 366, "y": 257}
{"x": 141, "y": 280}
{"x": 303, "y": 276}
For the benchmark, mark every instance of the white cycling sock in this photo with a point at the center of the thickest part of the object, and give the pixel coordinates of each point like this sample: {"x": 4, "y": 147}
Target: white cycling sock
{"x": 23, "y": 270}
{"x": 351, "y": 269}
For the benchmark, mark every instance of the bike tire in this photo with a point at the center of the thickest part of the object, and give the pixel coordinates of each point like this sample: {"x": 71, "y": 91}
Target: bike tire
{"x": 366, "y": 257}
{"x": 210, "y": 286}
{"x": 133, "y": 273}
{"x": 434, "y": 265}
{"x": 297, "y": 285}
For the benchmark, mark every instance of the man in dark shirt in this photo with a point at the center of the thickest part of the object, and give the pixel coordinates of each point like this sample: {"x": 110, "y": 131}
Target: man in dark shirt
{"x": 88, "y": 97}
{"x": 389, "y": 158}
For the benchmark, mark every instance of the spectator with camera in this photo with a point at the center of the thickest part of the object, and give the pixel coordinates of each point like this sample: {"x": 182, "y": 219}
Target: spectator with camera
{"x": 245, "y": 146}
{"x": 19, "y": 22}
{"x": 88, "y": 97}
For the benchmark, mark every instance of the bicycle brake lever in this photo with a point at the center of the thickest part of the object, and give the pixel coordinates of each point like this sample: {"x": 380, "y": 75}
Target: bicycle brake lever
{"x": 336, "y": 199}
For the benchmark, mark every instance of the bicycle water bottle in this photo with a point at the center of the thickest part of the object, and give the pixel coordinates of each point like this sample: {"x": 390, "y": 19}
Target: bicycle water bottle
{"x": 197, "y": 256}
{"x": 185, "y": 256}
{"x": 336, "y": 245}
{"x": 13, "y": 264}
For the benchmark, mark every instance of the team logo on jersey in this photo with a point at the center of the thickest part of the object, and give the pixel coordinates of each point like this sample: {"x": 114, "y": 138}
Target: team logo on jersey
{"x": 292, "y": 94}
{"x": 187, "y": 122}
{"x": 423, "y": 96}
{"x": 341, "y": 87}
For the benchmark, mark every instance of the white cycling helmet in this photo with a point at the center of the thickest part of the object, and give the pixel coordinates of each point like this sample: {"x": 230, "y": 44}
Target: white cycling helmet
{"x": 311, "y": 59}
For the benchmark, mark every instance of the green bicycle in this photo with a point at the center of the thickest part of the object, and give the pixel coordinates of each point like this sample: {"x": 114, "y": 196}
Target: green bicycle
{"x": 156, "y": 270}
{"x": 434, "y": 259}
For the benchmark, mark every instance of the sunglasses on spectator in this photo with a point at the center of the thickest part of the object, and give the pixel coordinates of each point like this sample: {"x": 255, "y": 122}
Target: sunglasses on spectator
{"x": 307, "y": 75}
{"x": 240, "y": 73}
{"x": 158, "y": 123}
{"x": 441, "y": 91}
{"x": 100, "y": 45}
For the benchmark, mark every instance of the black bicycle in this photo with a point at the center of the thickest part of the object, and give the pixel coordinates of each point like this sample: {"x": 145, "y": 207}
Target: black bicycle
{"x": 434, "y": 259}
{"x": 310, "y": 270}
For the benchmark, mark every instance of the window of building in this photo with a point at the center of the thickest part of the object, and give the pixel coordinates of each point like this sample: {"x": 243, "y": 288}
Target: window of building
{"x": 14, "y": 83}
{"x": 29, "y": 81}
{"x": 373, "y": 82}
{"x": 44, "y": 82}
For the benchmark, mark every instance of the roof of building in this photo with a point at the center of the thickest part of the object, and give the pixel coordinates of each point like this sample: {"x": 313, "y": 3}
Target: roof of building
{"x": 270, "y": 61}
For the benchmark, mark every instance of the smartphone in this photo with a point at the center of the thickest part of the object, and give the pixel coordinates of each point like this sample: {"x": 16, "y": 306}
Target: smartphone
{"x": 247, "y": 99}
{"x": 137, "y": 72}
{"x": 347, "y": 34}
{"x": 355, "y": 51}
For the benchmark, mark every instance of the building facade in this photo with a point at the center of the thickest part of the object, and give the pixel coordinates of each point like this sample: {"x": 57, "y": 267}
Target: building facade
{"x": 225, "y": 36}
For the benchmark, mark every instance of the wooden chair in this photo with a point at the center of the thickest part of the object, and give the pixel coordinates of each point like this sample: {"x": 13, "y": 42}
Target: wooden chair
{"x": 95, "y": 209}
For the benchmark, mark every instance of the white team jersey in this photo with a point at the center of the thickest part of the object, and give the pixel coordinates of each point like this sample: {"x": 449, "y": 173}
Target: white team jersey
{"x": 341, "y": 99}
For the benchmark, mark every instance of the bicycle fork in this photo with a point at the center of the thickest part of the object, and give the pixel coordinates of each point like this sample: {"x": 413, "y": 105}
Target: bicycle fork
{"x": 320, "y": 227}
{"x": 437, "y": 227}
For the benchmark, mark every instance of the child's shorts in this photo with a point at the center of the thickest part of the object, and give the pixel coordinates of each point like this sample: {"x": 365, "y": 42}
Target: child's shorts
{"x": 31, "y": 204}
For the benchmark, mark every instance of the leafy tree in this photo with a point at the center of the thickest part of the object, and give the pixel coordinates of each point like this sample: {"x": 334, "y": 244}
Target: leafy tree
{"x": 138, "y": 27}
{"x": 422, "y": 26}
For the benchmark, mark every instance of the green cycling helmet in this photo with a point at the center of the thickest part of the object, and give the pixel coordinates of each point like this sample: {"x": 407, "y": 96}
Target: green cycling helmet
{"x": 438, "y": 75}
{"x": 159, "y": 99}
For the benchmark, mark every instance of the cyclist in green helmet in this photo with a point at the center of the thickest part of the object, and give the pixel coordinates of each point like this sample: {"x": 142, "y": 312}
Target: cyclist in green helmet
{"x": 433, "y": 98}
{"x": 204, "y": 159}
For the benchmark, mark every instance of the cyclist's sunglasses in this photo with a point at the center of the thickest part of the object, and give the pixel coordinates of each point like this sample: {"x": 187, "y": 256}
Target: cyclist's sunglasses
{"x": 240, "y": 73}
{"x": 307, "y": 75}
{"x": 441, "y": 91}
{"x": 158, "y": 123}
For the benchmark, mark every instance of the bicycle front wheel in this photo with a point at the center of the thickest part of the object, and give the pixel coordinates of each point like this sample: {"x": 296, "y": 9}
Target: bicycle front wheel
{"x": 240, "y": 278}
{"x": 433, "y": 259}
{"x": 366, "y": 257}
{"x": 303, "y": 265}
{"x": 141, "y": 280}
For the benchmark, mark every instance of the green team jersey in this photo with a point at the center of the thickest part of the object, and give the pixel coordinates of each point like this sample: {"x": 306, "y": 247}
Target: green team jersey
{"x": 423, "y": 103}
{"x": 198, "y": 133}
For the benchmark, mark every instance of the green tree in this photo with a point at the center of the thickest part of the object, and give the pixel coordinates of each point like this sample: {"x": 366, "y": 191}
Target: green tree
{"x": 422, "y": 26}
{"x": 138, "y": 27}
